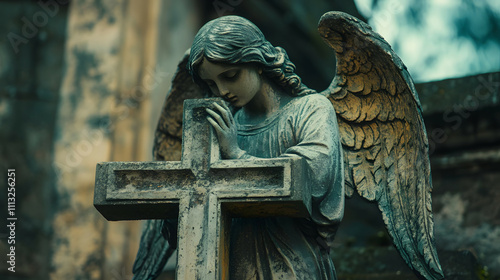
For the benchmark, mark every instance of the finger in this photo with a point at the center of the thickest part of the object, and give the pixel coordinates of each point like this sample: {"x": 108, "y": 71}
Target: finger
{"x": 225, "y": 114}
{"x": 231, "y": 118}
{"x": 218, "y": 118}
{"x": 215, "y": 125}
{"x": 226, "y": 107}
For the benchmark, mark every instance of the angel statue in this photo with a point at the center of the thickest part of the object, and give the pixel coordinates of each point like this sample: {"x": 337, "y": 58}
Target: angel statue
{"x": 364, "y": 134}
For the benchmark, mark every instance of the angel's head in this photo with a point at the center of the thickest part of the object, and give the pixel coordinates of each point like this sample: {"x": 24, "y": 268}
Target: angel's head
{"x": 233, "y": 40}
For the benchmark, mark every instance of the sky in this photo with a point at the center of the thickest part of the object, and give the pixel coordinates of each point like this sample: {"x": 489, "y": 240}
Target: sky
{"x": 439, "y": 39}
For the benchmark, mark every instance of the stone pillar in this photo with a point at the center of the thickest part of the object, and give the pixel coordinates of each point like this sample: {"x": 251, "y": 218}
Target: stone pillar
{"x": 104, "y": 115}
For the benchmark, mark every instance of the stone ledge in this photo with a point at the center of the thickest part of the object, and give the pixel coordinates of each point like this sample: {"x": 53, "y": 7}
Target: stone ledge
{"x": 466, "y": 93}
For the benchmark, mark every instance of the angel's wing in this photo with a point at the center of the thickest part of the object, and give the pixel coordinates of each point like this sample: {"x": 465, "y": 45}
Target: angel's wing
{"x": 154, "y": 252}
{"x": 168, "y": 136}
{"x": 154, "y": 249}
{"x": 383, "y": 136}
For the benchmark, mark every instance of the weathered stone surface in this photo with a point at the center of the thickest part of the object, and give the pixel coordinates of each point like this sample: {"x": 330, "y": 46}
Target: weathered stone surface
{"x": 462, "y": 113}
{"x": 87, "y": 91}
{"x": 463, "y": 122}
{"x": 111, "y": 52}
{"x": 204, "y": 191}
{"x": 103, "y": 115}
{"x": 467, "y": 212}
{"x": 460, "y": 94}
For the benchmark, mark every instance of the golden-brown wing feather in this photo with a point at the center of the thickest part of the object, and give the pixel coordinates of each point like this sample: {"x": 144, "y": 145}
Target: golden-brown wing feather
{"x": 383, "y": 135}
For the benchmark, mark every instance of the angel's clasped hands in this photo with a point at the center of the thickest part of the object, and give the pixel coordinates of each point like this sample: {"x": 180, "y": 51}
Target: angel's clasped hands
{"x": 223, "y": 122}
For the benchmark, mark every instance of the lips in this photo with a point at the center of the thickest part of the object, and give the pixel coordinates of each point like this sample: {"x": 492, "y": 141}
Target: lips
{"x": 231, "y": 99}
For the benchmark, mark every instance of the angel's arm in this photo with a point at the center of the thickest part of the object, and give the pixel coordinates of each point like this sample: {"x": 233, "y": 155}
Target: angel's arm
{"x": 317, "y": 141}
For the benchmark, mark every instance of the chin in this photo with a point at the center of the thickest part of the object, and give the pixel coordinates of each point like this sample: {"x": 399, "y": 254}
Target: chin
{"x": 237, "y": 104}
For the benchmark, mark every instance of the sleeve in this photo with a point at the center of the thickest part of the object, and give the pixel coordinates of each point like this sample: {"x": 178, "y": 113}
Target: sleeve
{"x": 318, "y": 142}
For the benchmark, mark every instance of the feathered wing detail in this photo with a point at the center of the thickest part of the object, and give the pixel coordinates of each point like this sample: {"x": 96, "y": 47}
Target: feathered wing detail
{"x": 383, "y": 136}
{"x": 168, "y": 135}
{"x": 154, "y": 250}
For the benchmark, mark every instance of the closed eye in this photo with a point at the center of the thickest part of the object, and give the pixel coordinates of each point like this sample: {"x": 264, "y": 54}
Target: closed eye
{"x": 231, "y": 75}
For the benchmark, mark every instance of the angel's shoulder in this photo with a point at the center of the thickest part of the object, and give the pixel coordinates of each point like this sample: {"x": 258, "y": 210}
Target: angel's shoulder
{"x": 314, "y": 101}
{"x": 316, "y": 98}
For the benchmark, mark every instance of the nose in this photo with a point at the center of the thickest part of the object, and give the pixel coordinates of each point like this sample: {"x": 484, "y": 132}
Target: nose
{"x": 223, "y": 91}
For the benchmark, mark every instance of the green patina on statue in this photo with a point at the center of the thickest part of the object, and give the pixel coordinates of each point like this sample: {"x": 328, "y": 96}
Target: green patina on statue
{"x": 363, "y": 134}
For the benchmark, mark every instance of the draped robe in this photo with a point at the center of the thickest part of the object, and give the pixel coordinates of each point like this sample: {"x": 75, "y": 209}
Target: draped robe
{"x": 293, "y": 248}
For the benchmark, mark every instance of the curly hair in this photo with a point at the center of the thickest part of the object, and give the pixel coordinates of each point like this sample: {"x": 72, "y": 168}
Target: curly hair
{"x": 234, "y": 40}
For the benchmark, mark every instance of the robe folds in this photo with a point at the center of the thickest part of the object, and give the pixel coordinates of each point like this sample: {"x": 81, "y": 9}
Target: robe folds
{"x": 293, "y": 248}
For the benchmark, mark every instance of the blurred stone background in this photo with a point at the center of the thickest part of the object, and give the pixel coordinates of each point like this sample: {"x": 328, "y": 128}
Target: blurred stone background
{"x": 83, "y": 82}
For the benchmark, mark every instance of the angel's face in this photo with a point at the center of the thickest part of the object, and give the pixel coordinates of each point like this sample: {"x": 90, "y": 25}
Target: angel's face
{"x": 238, "y": 83}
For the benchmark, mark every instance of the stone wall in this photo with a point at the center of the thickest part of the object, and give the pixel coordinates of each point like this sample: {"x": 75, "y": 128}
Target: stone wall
{"x": 32, "y": 41}
{"x": 463, "y": 123}
{"x": 76, "y": 91}
{"x": 103, "y": 116}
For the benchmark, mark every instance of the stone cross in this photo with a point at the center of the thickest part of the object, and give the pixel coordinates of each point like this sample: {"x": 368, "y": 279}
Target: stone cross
{"x": 203, "y": 191}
